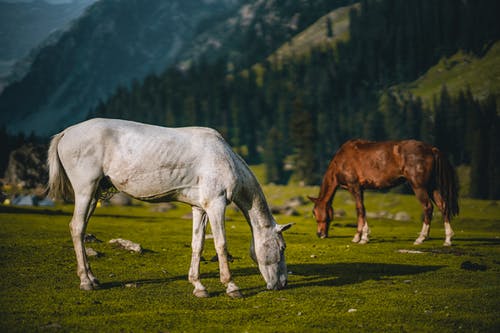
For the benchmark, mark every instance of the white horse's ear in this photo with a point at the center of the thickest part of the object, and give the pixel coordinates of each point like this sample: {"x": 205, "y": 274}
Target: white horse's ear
{"x": 282, "y": 227}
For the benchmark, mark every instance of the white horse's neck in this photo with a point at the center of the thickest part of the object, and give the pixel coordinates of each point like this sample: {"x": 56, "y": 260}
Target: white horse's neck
{"x": 253, "y": 204}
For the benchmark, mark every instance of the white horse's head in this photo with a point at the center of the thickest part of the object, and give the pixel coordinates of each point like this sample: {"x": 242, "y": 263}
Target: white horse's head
{"x": 268, "y": 251}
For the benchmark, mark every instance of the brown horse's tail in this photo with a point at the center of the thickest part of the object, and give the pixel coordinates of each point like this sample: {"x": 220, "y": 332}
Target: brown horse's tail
{"x": 446, "y": 183}
{"x": 59, "y": 185}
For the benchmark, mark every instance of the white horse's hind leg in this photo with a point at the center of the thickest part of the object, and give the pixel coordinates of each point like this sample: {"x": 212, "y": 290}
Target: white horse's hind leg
{"x": 216, "y": 211}
{"x": 197, "y": 243}
{"x": 92, "y": 206}
{"x": 83, "y": 205}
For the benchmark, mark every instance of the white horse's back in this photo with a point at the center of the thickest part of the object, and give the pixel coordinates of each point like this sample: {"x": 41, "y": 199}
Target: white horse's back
{"x": 150, "y": 162}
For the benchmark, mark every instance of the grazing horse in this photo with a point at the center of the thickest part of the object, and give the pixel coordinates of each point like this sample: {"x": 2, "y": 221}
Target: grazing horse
{"x": 361, "y": 164}
{"x": 193, "y": 165}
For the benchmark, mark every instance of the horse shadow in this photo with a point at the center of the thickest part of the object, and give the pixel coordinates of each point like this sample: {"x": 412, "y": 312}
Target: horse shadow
{"x": 139, "y": 282}
{"x": 302, "y": 276}
{"x": 340, "y": 274}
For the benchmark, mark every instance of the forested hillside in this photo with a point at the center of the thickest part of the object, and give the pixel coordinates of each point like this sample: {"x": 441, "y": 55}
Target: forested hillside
{"x": 117, "y": 42}
{"x": 300, "y": 111}
{"x": 25, "y": 24}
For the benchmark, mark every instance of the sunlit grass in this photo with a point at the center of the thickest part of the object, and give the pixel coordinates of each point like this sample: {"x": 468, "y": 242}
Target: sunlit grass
{"x": 334, "y": 285}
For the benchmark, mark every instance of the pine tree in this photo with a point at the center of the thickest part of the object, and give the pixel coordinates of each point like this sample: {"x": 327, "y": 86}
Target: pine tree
{"x": 442, "y": 122}
{"x": 303, "y": 137}
{"x": 390, "y": 110}
{"x": 493, "y": 132}
{"x": 273, "y": 157}
{"x": 329, "y": 27}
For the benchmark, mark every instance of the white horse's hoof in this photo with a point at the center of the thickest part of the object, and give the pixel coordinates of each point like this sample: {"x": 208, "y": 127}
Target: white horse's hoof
{"x": 95, "y": 283}
{"x": 87, "y": 286}
{"x": 201, "y": 293}
{"x": 447, "y": 244}
{"x": 235, "y": 294}
{"x": 363, "y": 241}
{"x": 356, "y": 239}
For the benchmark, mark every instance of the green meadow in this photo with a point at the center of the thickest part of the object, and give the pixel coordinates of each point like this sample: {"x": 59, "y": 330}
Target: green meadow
{"x": 388, "y": 285}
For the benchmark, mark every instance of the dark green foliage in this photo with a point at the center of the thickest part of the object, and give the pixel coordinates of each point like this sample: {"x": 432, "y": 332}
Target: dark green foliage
{"x": 342, "y": 90}
{"x": 273, "y": 158}
{"x": 303, "y": 136}
{"x": 484, "y": 151}
{"x": 329, "y": 27}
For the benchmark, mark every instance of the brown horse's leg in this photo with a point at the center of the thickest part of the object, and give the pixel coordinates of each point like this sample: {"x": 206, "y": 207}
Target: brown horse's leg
{"x": 362, "y": 232}
{"x": 424, "y": 199}
{"x": 438, "y": 199}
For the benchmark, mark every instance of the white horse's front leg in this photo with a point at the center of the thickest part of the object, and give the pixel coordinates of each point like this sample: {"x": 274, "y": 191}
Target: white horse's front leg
{"x": 216, "y": 211}
{"x": 197, "y": 243}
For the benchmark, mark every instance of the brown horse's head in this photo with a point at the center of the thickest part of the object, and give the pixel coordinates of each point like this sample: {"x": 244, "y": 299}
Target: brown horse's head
{"x": 323, "y": 213}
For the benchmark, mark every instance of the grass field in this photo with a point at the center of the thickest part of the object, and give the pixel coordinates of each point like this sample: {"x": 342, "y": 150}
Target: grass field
{"x": 334, "y": 285}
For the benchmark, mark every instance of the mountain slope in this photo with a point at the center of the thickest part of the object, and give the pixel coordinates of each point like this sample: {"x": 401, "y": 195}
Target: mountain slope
{"x": 117, "y": 41}
{"x": 316, "y": 35}
{"x": 257, "y": 29}
{"x": 458, "y": 72}
{"x": 114, "y": 42}
{"x": 24, "y": 25}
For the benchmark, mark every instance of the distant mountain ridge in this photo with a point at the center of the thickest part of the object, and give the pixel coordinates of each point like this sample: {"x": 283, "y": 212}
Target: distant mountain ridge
{"x": 25, "y": 24}
{"x": 117, "y": 41}
{"x": 112, "y": 43}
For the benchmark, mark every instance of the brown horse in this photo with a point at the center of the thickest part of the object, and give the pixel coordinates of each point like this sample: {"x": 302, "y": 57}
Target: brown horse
{"x": 361, "y": 164}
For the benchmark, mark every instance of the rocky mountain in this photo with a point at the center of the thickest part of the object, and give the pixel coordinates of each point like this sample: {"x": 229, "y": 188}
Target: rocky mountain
{"x": 112, "y": 43}
{"x": 118, "y": 41}
{"x": 26, "y": 24}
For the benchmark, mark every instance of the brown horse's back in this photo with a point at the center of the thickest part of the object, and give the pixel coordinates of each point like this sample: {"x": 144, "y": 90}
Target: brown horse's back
{"x": 417, "y": 160}
{"x": 383, "y": 164}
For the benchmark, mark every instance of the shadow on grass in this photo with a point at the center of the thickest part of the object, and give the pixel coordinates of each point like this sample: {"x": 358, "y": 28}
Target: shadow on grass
{"x": 136, "y": 283}
{"x": 58, "y": 212}
{"x": 477, "y": 241}
{"x": 303, "y": 276}
{"x": 30, "y": 210}
{"x": 350, "y": 273}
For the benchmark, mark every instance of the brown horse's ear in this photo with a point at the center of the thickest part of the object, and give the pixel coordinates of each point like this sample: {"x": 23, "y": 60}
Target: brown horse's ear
{"x": 314, "y": 200}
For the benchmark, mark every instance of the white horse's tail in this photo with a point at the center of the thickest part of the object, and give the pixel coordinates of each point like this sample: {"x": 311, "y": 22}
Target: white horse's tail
{"x": 59, "y": 185}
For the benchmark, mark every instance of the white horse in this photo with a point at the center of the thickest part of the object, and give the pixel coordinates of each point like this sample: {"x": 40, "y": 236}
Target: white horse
{"x": 193, "y": 165}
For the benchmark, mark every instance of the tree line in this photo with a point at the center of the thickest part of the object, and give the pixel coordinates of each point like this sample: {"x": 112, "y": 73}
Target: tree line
{"x": 294, "y": 114}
